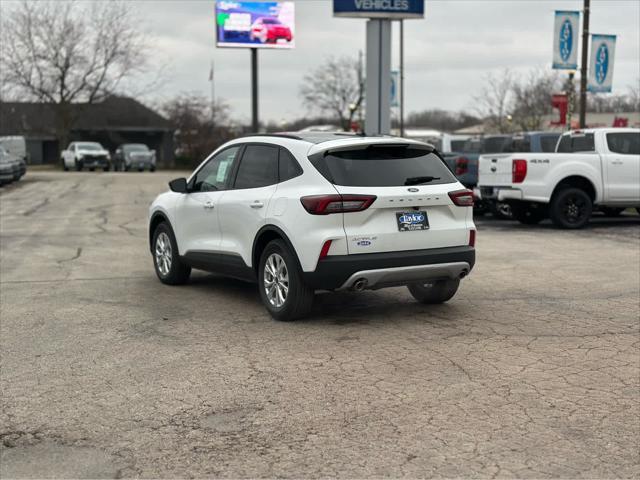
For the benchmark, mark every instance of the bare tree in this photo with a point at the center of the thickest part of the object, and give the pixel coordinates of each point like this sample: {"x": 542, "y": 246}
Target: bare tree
{"x": 531, "y": 99}
{"x": 66, "y": 52}
{"x": 494, "y": 100}
{"x": 195, "y": 133}
{"x": 335, "y": 87}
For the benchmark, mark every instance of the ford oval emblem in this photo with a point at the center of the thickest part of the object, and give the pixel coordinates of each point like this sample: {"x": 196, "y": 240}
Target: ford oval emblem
{"x": 602, "y": 63}
{"x": 411, "y": 218}
{"x": 566, "y": 40}
{"x": 413, "y": 189}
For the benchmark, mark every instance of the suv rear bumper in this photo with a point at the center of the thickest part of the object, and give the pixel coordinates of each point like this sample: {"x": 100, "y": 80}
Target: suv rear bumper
{"x": 379, "y": 270}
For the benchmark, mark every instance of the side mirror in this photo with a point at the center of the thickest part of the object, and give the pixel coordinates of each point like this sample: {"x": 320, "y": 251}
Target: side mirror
{"x": 179, "y": 185}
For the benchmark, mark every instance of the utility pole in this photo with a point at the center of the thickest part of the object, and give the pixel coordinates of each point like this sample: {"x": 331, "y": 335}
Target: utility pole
{"x": 402, "y": 78}
{"x": 255, "y": 124}
{"x": 583, "y": 67}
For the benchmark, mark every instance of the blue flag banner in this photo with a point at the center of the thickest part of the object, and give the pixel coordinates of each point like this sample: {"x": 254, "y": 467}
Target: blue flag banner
{"x": 603, "y": 49}
{"x": 565, "y": 40}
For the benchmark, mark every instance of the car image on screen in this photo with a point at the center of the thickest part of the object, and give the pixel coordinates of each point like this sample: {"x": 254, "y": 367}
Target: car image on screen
{"x": 269, "y": 30}
{"x": 255, "y": 24}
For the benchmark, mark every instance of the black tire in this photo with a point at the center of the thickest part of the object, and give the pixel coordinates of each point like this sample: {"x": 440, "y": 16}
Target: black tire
{"x": 64, "y": 166}
{"x": 78, "y": 166}
{"x": 501, "y": 210}
{"x": 570, "y": 208}
{"x": 125, "y": 168}
{"x": 152, "y": 169}
{"x": 638, "y": 210}
{"x": 299, "y": 297}
{"x": 434, "y": 292}
{"x": 611, "y": 211}
{"x": 528, "y": 213}
{"x": 92, "y": 169}
{"x": 178, "y": 273}
{"x": 106, "y": 169}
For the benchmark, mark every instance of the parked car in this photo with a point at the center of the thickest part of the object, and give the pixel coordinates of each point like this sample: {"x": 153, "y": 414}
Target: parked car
{"x": 89, "y": 155}
{"x": 9, "y": 167}
{"x": 15, "y": 147}
{"x": 269, "y": 30}
{"x": 134, "y": 156}
{"x": 318, "y": 211}
{"x": 592, "y": 167}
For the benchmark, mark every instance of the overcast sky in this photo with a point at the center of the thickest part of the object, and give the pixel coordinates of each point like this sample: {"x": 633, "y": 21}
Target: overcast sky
{"x": 446, "y": 54}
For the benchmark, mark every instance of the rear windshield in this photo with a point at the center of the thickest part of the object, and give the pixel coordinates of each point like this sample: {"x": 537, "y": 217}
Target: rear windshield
{"x": 472, "y": 146}
{"x": 624, "y": 142}
{"x": 521, "y": 144}
{"x": 383, "y": 166}
{"x": 548, "y": 143}
{"x": 576, "y": 143}
{"x": 457, "y": 145}
{"x": 136, "y": 147}
{"x": 496, "y": 144}
{"x": 89, "y": 146}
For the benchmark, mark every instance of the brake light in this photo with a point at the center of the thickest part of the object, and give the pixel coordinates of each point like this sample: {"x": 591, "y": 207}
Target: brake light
{"x": 325, "y": 249}
{"x": 326, "y": 204}
{"x": 472, "y": 238}
{"x": 518, "y": 170}
{"x": 462, "y": 198}
{"x": 462, "y": 165}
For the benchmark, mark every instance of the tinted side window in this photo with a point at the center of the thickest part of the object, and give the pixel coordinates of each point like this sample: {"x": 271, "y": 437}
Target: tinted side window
{"x": 576, "y": 143}
{"x": 258, "y": 167}
{"x": 521, "y": 144}
{"x": 288, "y": 166}
{"x": 624, "y": 142}
{"x": 215, "y": 174}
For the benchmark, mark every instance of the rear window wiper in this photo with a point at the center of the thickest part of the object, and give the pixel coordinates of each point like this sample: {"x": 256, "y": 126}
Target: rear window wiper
{"x": 419, "y": 180}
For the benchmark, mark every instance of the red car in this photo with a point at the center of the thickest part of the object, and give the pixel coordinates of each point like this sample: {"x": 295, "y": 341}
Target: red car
{"x": 269, "y": 30}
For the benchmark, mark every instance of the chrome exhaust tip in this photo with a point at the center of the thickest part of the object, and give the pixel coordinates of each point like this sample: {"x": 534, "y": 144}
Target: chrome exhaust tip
{"x": 360, "y": 284}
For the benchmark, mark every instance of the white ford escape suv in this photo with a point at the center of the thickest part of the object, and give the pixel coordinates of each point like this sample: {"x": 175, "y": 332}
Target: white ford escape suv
{"x": 318, "y": 211}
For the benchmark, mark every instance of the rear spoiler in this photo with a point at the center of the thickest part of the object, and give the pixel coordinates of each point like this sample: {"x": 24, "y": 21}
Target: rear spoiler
{"x": 366, "y": 146}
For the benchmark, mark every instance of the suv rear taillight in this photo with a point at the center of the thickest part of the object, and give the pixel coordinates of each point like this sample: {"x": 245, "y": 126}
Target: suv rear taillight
{"x": 518, "y": 171}
{"x": 462, "y": 198}
{"x": 462, "y": 165}
{"x": 326, "y": 204}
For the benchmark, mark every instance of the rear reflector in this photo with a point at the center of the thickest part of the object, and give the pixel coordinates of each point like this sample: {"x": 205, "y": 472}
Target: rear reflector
{"x": 518, "y": 171}
{"x": 326, "y": 204}
{"x": 325, "y": 250}
{"x": 462, "y": 198}
{"x": 472, "y": 238}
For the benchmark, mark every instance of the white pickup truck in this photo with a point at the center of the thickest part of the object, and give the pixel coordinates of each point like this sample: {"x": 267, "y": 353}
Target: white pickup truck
{"x": 591, "y": 167}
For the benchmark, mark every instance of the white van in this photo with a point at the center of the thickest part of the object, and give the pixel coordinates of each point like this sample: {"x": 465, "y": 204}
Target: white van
{"x": 16, "y": 147}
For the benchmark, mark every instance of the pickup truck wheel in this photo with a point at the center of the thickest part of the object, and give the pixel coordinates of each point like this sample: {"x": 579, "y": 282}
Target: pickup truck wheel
{"x": 528, "y": 214}
{"x": 169, "y": 268}
{"x": 78, "y": 166}
{"x": 434, "y": 292}
{"x": 570, "y": 208}
{"x": 282, "y": 288}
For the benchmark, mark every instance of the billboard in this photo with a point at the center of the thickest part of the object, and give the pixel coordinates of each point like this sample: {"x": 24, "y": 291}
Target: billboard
{"x": 565, "y": 40}
{"x": 252, "y": 24}
{"x": 603, "y": 49}
{"x": 379, "y": 8}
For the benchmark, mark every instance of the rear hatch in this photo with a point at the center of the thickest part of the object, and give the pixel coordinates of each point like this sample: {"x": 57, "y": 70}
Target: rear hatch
{"x": 412, "y": 209}
{"x": 495, "y": 169}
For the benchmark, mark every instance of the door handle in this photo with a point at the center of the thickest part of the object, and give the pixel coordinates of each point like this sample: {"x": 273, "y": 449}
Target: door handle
{"x": 617, "y": 162}
{"x": 257, "y": 204}
{"x": 208, "y": 206}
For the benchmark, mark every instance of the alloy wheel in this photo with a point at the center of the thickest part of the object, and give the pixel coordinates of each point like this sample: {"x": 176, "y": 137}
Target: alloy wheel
{"x": 276, "y": 280}
{"x": 574, "y": 209}
{"x": 163, "y": 254}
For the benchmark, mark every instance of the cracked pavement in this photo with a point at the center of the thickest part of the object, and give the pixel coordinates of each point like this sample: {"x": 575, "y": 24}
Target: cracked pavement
{"x": 531, "y": 371}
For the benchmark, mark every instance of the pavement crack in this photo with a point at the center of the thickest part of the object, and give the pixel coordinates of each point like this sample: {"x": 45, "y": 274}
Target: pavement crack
{"x": 75, "y": 257}
{"x": 37, "y": 207}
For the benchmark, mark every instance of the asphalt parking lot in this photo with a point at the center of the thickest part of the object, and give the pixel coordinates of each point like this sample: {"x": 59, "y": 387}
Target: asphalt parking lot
{"x": 533, "y": 370}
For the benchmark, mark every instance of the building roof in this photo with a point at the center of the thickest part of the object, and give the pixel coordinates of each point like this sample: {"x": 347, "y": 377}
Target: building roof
{"x": 114, "y": 113}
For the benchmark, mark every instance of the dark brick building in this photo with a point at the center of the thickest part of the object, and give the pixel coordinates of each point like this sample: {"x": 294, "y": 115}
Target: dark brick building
{"x": 112, "y": 122}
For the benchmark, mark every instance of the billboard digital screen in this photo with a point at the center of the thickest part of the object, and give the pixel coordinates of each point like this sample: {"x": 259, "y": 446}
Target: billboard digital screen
{"x": 252, "y": 24}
